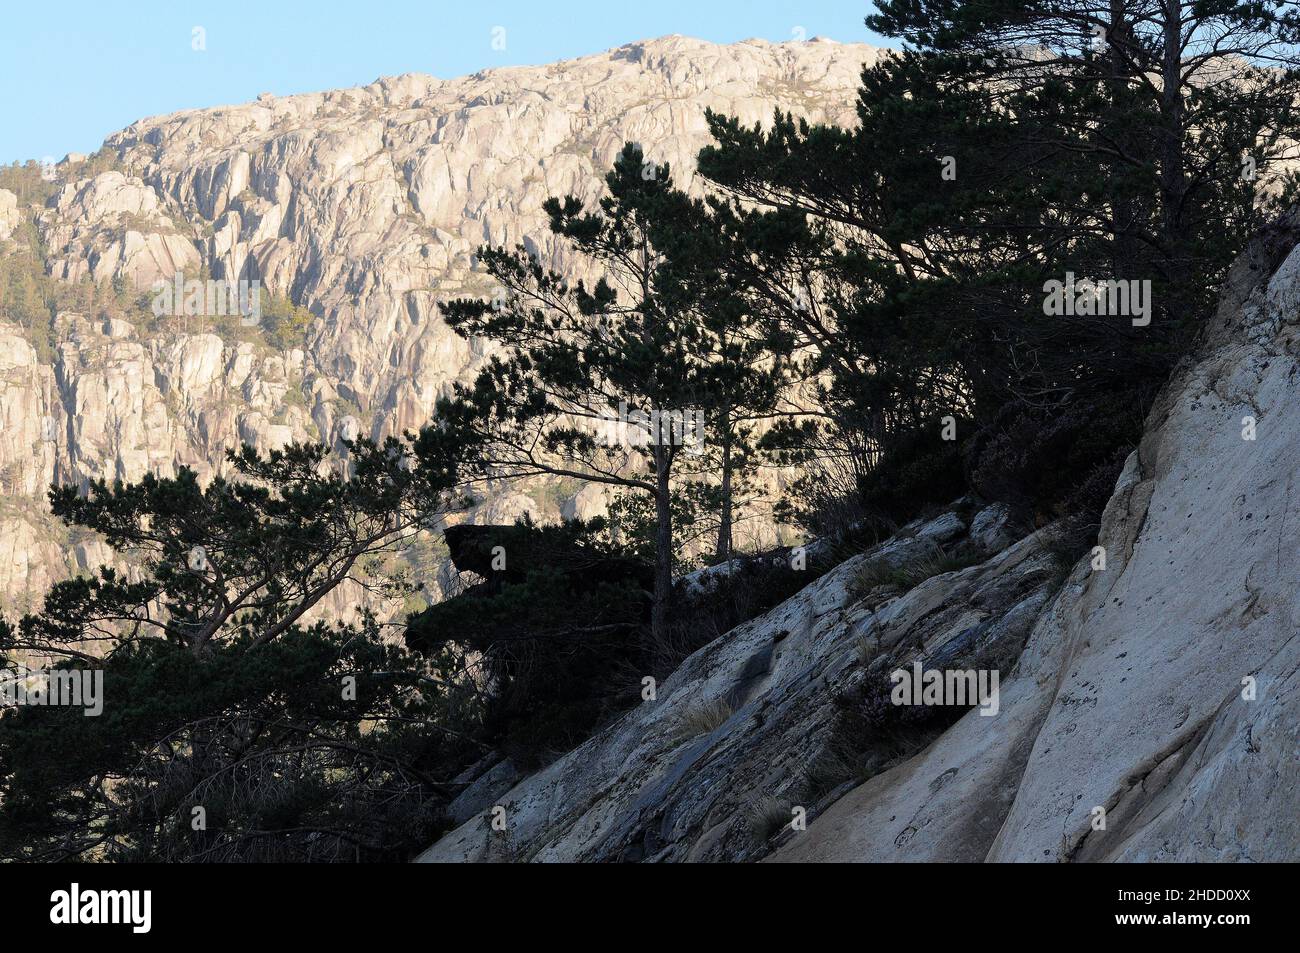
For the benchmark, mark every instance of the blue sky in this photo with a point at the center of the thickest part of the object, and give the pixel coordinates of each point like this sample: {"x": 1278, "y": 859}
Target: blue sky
{"x": 73, "y": 72}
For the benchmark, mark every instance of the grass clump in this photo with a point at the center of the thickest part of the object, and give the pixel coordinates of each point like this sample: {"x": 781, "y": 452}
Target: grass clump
{"x": 703, "y": 718}
{"x": 768, "y": 816}
{"x": 877, "y": 573}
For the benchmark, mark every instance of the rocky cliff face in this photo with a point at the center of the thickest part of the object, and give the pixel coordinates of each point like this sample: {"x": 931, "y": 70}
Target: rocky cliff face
{"x": 364, "y": 205}
{"x": 1148, "y": 710}
{"x": 9, "y": 214}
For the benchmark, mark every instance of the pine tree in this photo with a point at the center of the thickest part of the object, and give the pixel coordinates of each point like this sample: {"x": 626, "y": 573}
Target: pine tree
{"x": 1009, "y": 145}
{"x": 627, "y": 382}
{"x": 233, "y": 728}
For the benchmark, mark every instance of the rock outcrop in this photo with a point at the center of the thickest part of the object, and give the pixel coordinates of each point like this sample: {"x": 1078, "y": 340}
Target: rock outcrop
{"x": 365, "y": 206}
{"x": 739, "y": 729}
{"x": 116, "y": 226}
{"x": 1148, "y": 710}
{"x": 10, "y": 217}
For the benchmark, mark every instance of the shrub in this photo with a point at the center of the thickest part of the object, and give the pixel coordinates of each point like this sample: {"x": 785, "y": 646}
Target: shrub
{"x": 919, "y": 469}
{"x": 1044, "y": 457}
{"x": 825, "y": 501}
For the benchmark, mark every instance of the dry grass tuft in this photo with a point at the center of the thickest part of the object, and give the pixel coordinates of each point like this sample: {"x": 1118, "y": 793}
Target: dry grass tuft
{"x": 768, "y": 816}
{"x": 703, "y": 718}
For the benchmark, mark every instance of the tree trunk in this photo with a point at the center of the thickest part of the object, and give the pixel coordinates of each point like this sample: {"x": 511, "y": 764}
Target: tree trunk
{"x": 723, "y": 550}
{"x": 663, "y": 545}
{"x": 1123, "y": 207}
{"x": 1173, "y": 177}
